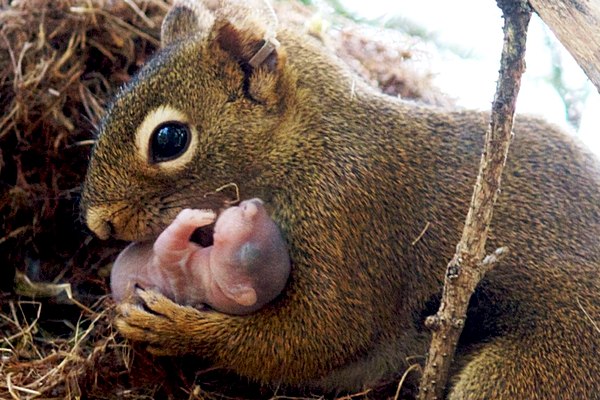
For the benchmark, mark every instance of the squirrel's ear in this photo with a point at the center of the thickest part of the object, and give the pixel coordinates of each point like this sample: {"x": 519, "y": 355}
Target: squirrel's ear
{"x": 249, "y": 47}
{"x": 246, "y": 32}
{"x": 187, "y": 18}
{"x": 241, "y": 30}
{"x": 259, "y": 56}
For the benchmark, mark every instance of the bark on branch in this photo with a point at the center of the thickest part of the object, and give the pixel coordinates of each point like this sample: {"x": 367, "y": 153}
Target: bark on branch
{"x": 468, "y": 265}
{"x": 576, "y": 23}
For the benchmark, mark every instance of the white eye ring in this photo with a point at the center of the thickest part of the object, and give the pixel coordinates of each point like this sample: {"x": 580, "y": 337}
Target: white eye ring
{"x": 143, "y": 137}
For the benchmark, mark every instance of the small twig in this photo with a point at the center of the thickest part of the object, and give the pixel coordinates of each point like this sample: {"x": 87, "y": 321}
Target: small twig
{"x": 227, "y": 186}
{"x": 354, "y": 395}
{"x": 404, "y": 375}
{"x": 12, "y": 389}
{"x": 31, "y": 326}
{"x": 140, "y": 13}
{"x": 14, "y": 233}
{"x": 468, "y": 265}
{"x": 25, "y": 287}
{"x": 491, "y": 259}
{"x": 594, "y": 324}
{"x": 421, "y": 234}
{"x": 88, "y": 142}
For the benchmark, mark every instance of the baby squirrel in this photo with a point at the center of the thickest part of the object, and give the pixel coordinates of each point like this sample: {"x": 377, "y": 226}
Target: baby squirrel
{"x": 351, "y": 177}
{"x": 245, "y": 268}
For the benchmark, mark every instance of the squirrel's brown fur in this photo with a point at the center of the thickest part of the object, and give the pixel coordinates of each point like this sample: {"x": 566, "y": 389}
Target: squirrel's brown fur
{"x": 352, "y": 177}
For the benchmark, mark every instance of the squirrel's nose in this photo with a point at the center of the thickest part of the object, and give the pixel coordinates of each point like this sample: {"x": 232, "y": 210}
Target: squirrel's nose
{"x": 96, "y": 219}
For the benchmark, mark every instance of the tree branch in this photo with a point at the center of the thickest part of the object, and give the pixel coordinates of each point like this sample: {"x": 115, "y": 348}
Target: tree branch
{"x": 576, "y": 23}
{"x": 468, "y": 266}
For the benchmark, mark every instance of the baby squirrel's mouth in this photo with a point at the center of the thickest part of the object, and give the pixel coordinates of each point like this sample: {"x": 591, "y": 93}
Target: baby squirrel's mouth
{"x": 203, "y": 236}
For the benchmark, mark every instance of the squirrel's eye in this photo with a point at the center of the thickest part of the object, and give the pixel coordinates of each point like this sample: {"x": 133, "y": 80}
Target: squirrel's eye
{"x": 168, "y": 141}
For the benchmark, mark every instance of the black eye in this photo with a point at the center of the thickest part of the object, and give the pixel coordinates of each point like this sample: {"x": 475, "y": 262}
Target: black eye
{"x": 169, "y": 140}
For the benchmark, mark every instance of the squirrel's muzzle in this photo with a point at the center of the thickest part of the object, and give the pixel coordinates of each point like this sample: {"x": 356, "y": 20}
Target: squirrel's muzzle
{"x": 97, "y": 219}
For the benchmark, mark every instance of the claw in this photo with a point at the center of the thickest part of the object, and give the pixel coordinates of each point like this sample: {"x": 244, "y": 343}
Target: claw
{"x": 157, "y": 304}
{"x": 151, "y": 318}
{"x": 131, "y": 332}
{"x": 149, "y": 297}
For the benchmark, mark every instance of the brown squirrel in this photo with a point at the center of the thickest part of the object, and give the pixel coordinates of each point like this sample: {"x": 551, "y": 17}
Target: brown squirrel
{"x": 351, "y": 177}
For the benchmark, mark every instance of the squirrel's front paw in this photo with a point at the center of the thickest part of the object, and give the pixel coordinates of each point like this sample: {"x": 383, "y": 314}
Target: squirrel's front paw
{"x": 151, "y": 318}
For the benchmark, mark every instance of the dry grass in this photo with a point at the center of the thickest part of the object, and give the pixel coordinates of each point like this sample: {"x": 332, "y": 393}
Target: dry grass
{"x": 60, "y": 63}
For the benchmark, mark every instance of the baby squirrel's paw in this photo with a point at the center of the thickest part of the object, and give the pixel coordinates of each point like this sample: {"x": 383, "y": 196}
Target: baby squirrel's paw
{"x": 154, "y": 319}
{"x": 173, "y": 245}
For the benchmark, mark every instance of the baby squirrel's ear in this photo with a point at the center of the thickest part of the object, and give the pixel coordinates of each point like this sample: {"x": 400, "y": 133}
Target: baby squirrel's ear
{"x": 187, "y": 18}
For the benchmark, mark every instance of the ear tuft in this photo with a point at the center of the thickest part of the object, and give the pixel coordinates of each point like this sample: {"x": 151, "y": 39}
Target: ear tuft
{"x": 187, "y": 18}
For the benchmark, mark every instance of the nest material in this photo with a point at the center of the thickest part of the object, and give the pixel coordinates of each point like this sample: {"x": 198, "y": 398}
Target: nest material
{"x": 60, "y": 63}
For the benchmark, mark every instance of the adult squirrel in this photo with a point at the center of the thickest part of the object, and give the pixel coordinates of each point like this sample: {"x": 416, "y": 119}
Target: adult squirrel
{"x": 351, "y": 177}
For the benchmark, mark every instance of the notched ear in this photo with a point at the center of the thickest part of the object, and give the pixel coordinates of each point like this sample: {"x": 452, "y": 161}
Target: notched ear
{"x": 187, "y": 18}
{"x": 242, "y": 31}
{"x": 259, "y": 55}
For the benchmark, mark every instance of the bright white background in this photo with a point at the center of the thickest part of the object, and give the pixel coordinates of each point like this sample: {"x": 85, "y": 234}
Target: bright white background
{"x": 467, "y": 37}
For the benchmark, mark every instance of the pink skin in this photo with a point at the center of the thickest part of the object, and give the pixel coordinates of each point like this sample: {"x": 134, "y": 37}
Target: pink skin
{"x": 246, "y": 267}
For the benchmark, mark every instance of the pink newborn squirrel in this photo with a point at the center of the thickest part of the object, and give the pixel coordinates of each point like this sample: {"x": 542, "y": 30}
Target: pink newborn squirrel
{"x": 247, "y": 266}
